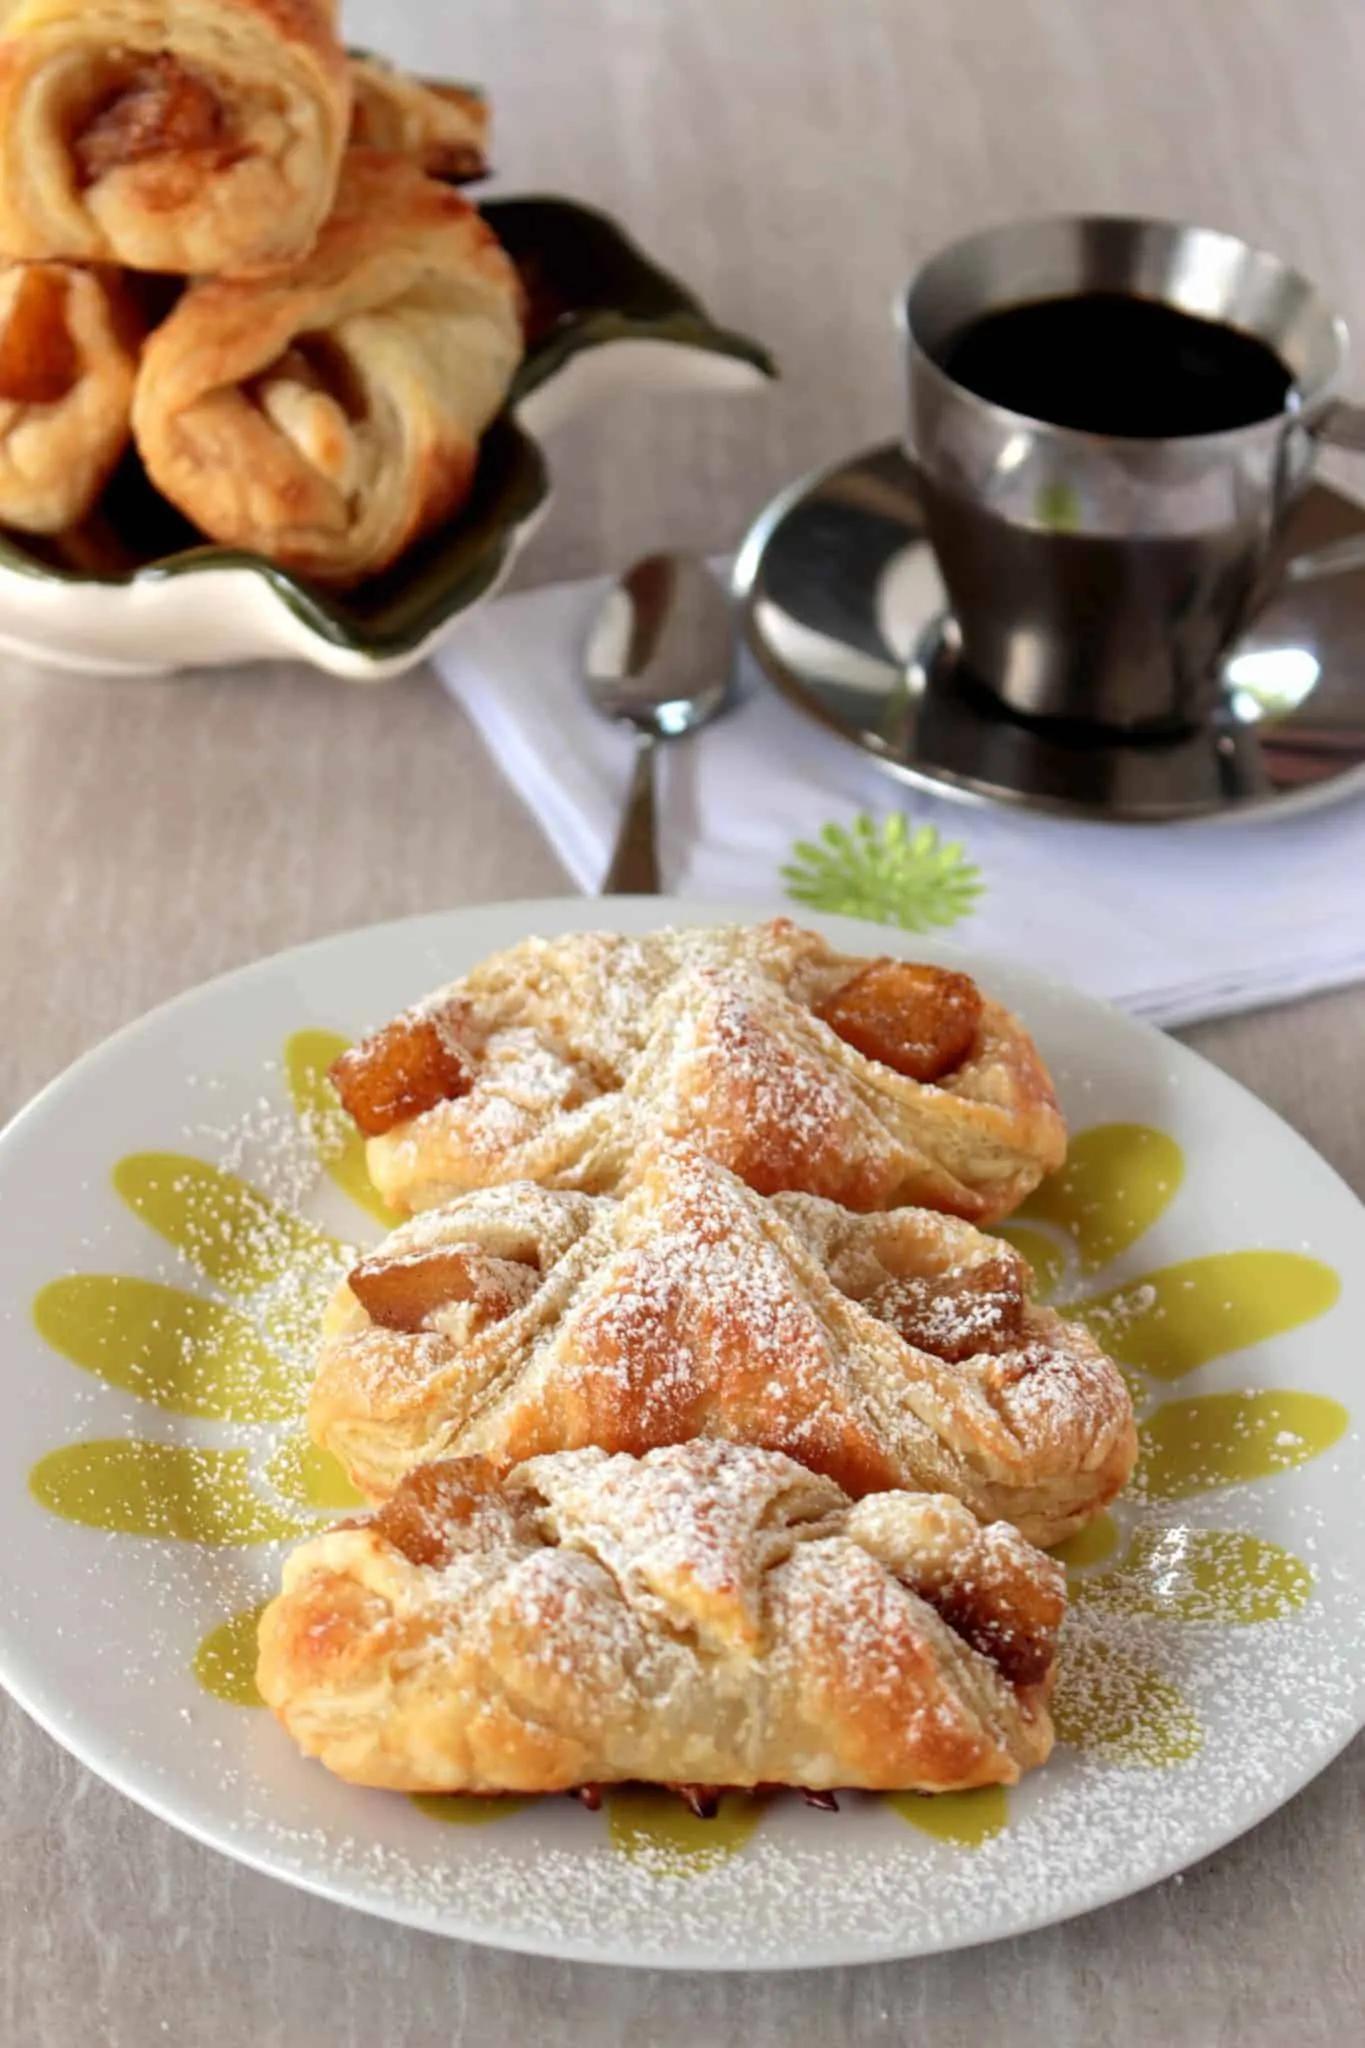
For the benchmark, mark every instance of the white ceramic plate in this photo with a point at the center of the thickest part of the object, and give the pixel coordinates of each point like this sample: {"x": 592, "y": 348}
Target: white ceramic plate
{"x": 1216, "y": 1656}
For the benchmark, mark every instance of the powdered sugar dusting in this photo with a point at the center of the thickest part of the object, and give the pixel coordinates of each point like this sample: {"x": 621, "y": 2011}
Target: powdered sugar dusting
{"x": 708, "y": 1612}
{"x": 697, "y": 1292}
{"x": 1270, "y": 1702}
{"x": 691, "y": 1517}
{"x": 693, "y": 1307}
{"x": 582, "y": 1046}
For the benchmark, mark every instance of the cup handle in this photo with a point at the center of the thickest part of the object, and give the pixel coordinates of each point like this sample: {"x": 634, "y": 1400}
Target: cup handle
{"x": 1341, "y": 425}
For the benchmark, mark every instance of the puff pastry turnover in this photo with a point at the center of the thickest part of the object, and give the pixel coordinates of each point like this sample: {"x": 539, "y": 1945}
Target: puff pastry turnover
{"x": 444, "y": 127}
{"x": 870, "y": 1082}
{"x": 326, "y": 414}
{"x": 707, "y": 1615}
{"x": 169, "y": 135}
{"x": 888, "y": 1350}
{"x": 69, "y": 341}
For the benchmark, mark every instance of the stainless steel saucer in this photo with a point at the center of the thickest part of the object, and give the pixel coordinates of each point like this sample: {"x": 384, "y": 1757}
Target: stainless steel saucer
{"x": 841, "y": 604}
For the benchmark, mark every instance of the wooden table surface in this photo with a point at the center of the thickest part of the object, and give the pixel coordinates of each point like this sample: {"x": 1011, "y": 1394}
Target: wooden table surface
{"x": 792, "y": 159}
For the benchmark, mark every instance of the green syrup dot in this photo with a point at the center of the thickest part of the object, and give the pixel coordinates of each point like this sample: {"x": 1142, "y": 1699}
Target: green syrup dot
{"x": 225, "y": 1662}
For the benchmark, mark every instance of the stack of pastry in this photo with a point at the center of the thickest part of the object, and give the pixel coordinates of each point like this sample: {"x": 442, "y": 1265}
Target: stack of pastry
{"x": 711, "y": 1436}
{"x": 342, "y": 324}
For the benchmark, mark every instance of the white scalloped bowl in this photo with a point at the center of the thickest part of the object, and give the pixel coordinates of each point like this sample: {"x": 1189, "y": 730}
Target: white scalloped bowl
{"x": 616, "y": 322}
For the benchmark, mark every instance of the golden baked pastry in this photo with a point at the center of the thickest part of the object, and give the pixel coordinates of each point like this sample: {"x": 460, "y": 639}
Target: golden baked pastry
{"x": 444, "y": 127}
{"x": 707, "y": 1615}
{"x": 896, "y": 1349}
{"x": 328, "y": 413}
{"x": 171, "y": 135}
{"x": 870, "y": 1082}
{"x": 69, "y": 341}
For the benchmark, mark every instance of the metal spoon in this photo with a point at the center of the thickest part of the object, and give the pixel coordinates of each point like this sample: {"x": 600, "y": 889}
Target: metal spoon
{"x": 657, "y": 659}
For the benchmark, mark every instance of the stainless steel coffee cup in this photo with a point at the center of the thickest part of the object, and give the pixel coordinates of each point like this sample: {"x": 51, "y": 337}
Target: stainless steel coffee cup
{"x": 1094, "y": 577}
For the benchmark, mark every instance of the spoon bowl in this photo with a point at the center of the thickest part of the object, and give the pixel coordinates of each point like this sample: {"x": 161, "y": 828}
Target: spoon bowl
{"x": 658, "y": 659}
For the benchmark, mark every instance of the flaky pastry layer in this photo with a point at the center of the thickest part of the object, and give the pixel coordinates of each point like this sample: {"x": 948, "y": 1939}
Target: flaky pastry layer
{"x": 185, "y": 136}
{"x": 708, "y": 1614}
{"x": 566, "y": 1055}
{"x": 442, "y": 127}
{"x": 897, "y": 1349}
{"x": 69, "y": 341}
{"x": 328, "y": 413}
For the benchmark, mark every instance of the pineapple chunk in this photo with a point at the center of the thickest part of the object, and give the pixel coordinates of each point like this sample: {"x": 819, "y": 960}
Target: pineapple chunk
{"x": 400, "y": 1071}
{"x": 404, "y": 1293}
{"x": 919, "y": 1021}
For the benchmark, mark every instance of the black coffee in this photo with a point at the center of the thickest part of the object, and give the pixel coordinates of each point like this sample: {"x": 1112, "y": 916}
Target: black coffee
{"x": 1113, "y": 363}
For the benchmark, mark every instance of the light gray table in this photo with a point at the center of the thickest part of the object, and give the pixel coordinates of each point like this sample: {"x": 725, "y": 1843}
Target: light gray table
{"x": 791, "y": 158}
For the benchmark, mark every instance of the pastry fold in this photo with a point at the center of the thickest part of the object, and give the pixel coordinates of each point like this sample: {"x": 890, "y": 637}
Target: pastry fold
{"x": 556, "y": 1060}
{"x": 326, "y": 414}
{"x": 69, "y": 341}
{"x": 171, "y": 135}
{"x": 442, "y": 127}
{"x": 891, "y": 1350}
{"x": 708, "y": 1615}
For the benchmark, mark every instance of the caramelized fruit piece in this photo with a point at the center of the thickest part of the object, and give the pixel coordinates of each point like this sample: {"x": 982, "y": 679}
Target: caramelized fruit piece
{"x": 919, "y": 1021}
{"x": 39, "y": 361}
{"x": 1016, "y": 1624}
{"x": 957, "y": 1315}
{"x": 401, "y": 1293}
{"x": 161, "y": 109}
{"x": 408, "y": 1067}
{"x": 423, "y": 1518}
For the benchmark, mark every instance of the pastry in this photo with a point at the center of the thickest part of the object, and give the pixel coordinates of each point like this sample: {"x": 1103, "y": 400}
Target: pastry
{"x": 171, "y": 135}
{"x": 896, "y": 1349}
{"x": 444, "y": 127}
{"x": 871, "y": 1082}
{"x": 326, "y": 414}
{"x": 706, "y": 1615}
{"x": 69, "y": 341}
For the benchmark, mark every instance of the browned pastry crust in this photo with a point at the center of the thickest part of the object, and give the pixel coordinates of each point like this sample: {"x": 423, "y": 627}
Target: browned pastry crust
{"x": 442, "y": 127}
{"x": 169, "y": 135}
{"x": 889, "y": 1350}
{"x": 69, "y": 340}
{"x": 556, "y": 1060}
{"x": 326, "y": 414}
{"x": 708, "y": 1614}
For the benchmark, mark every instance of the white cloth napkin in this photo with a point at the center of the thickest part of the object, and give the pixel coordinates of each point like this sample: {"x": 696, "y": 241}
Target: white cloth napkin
{"x": 1174, "y": 924}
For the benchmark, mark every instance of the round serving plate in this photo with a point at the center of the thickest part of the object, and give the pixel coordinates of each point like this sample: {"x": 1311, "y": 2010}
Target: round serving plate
{"x": 175, "y": 1199}
{"x": 842, "y": 605}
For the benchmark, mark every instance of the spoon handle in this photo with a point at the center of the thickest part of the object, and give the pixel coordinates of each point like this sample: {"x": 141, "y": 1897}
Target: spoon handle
{"x": 634, "y": 869}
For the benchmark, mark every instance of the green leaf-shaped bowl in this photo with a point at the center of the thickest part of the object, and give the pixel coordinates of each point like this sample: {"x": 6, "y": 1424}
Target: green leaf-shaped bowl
{"x": 602, "y": 316}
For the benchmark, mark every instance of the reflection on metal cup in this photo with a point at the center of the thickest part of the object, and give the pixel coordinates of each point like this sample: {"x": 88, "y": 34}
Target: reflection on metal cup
{"x": 1097, "y": 577}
